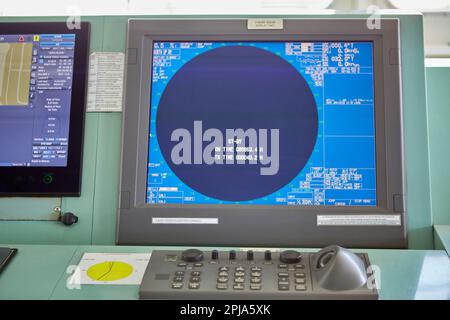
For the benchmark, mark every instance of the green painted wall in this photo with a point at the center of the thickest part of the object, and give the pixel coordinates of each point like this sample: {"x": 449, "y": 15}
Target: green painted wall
{"x": 438, "y": 100}
{"x": 97, "y": 205}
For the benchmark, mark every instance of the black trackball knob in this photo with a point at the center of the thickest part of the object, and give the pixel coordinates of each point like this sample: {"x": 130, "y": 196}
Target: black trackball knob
{"x": 192, "y": 255}
{"x": 268, "y": 255}
{"x": 290, "y": 256}
{"x": 250, "y": 255}
{"x": 214, "y": 255}
{"x": 232, "y": 255}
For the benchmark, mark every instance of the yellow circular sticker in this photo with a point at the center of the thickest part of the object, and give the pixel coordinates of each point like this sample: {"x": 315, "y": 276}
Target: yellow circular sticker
{"x": 109, "y": 271}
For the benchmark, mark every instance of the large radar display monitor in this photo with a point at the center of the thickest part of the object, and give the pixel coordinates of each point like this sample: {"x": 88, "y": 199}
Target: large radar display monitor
{"x": 267, "y": 123}
{"x": 243, "y": 136}
{"x": 42, "y": 82}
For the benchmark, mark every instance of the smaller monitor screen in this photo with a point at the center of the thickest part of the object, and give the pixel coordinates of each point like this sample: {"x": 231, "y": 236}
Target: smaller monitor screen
{"x": 262, "y": 123}
{"x": 36, "y": 72}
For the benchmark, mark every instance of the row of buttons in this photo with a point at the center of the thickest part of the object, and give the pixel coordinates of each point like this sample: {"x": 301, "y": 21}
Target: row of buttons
{"x": 299, "y": 279}
{"x": 291, "y": 267}
{"x": 190, "y": 266}
{"x": 238, "y": 286}
{"x": 233, "y": 255}
{"x": 239, "y": 278}
{"x": 241, "y": 269}
{"x": 194, "y": 280}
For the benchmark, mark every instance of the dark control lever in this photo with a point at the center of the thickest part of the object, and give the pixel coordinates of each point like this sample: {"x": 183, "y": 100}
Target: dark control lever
{"x": 192, "y": 255}
{"x": 290, "y": 256}
{"x": 68, "y": 219}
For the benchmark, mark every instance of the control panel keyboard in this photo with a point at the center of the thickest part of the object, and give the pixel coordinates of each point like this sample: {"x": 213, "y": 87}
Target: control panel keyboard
{"x": 195, "y": 274}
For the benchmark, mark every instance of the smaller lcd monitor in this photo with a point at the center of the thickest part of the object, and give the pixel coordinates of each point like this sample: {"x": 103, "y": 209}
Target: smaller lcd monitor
{"x": 42, "y": 104}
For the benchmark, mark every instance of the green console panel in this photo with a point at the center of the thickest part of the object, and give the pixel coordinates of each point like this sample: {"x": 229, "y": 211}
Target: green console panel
{"x": 41, "y": 272}
{"x": 97, "y": 205}
{"x": 438, "y": 106}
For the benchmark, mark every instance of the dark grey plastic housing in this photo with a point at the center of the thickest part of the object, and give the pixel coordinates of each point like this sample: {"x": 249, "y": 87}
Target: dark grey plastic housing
{"x": 256, "y": 225}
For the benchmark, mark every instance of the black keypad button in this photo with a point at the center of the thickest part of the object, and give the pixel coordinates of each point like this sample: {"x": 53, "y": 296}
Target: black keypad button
{"x": 299, "y": 266}
{"x": 299, "y": 275}
{"x": 179, "y": 273}
{"x": 178, "y": 279}
{"x": 222, "y": 286}
{"x": 256, "y": 269}
{"x": 239, "y": 268}
{"x": 283, "y": 283}
{"x": 282, "y": 266}
{"x": 223, "y": 274}
{"x": 300, "y": 287}
{"x": 239, "y": 280}
{"x": 195, "y": 279}
{"x": 239, "y": 274}
{"x": 222, "y": 279}
{"x": 177, "y": 285}
{"x": 195, "y": 273}
{"x": 256, "y": 274}
{"x": 238, "y": 286}
{"x": 254, "y": 286}
{"x": 255, "y": 280}
{"x": 300, "y": 280}
{"x": 283, "y": 274}
{"x": 223, "y": 269}
{"x": 283, "y": 287}
{"x": 194, "y": 285}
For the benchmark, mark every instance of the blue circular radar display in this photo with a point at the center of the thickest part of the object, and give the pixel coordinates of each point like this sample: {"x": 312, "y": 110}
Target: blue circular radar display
{"x": 237, "y": 123}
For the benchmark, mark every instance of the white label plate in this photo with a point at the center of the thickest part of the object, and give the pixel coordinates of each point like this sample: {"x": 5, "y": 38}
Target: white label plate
{"x": 359, "y": 220}
{"x": 105, "y": 84}
{"x": 265, "y": 24}
{"x": 163, "y": 220}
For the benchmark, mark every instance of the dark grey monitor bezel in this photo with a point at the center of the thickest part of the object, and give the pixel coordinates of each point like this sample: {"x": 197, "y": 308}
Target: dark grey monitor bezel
{"x": 258, "y": 225}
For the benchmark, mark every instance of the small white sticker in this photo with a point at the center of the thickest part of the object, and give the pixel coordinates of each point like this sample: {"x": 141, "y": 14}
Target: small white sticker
{"x": 267, "y": 24}
{"x": 105, "y": 84}
{"x": 160, "y": 220}
{"x": 359, "y": 220}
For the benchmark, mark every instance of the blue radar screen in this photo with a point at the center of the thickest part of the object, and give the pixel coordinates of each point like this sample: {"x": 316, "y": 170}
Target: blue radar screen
{"x": 249, "y": 126}
{"x": 276, "y": 123}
